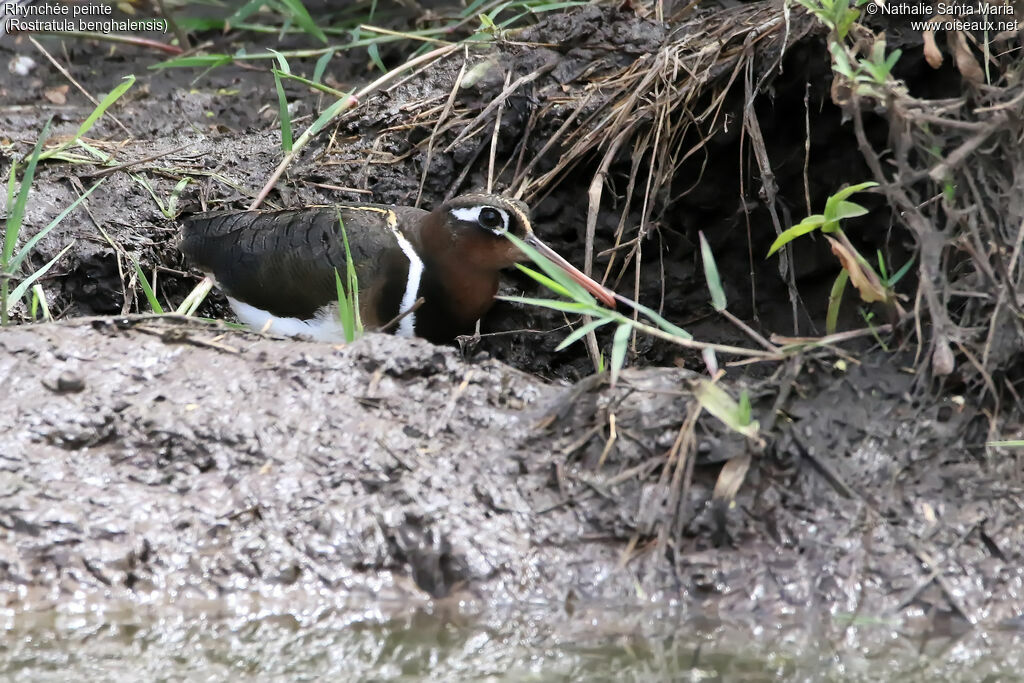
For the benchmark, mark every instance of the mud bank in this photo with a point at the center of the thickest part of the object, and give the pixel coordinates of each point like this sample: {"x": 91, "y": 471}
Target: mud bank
{"x": 151, "y": 460}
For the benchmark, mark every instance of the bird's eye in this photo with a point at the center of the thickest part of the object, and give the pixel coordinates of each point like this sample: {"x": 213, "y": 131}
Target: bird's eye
{"x": 492, "y": 219}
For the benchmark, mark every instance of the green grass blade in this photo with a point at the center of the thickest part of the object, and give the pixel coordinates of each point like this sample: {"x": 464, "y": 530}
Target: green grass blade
{"x": 653, "y": 316}
{"x": 718, "y": 300}
{"x": 344, "y": 310}
{"x": 282, "y": 104}
{"x": 311, "y": 83}
{"x": 172, "y": 201}
{"x": 28, "y": 246}
{"x": 348, "y": 301}
{"x": 23, "y": 287}
{"x": 39, "y": 302}
{"x": 619, "y": 345}
{"x": 576, "y": 290}
{"x": 555, "y": 304}
{"x": 302, "y": 18}
{"x": 835, "y": 300}
{"x": 325, "y": 118}
{"x": 353, "y": 284}
{"x": 115, "y": 94}
{"x": 195, "y": 298}
{"x": 545, "y": 280}
{"x": 147, "y": 288}
{"x": 581, "y": 332}
{"x": 244, "y": 12}
{"x": 374, "y": 52}
{"x": 17, "y": 213}
{"x": 321, "y": 66}
{"x": 898, "y": 275}
{"x": 208, "y": 61}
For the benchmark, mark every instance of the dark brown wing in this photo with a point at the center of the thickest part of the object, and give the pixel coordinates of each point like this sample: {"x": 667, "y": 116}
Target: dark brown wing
{"x": 284, "y": 261}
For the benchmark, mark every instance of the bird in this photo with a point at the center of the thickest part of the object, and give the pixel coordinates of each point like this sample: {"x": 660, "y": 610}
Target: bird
{"x": 279, "y": 269}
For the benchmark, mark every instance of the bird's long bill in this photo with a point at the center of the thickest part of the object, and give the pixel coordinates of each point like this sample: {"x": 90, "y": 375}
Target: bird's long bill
{"x": 605, "y": 295}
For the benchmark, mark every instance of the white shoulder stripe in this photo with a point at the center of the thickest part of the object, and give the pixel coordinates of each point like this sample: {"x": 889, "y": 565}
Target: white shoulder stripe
{"x": 407, "y": 325}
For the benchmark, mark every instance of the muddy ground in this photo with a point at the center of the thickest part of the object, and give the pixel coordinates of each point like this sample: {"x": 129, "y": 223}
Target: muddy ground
{"x": 161, "y": 462}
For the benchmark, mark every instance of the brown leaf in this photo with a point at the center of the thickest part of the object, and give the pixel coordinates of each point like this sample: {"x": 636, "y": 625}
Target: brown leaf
{"x": 965, "y": 61}
{"x": 58, "y": 95}
{"x": 943, "y": 362}
{"x": 864, "y": 279}
{"x": 734, "y": 471}
{"x": 932, "y": 53}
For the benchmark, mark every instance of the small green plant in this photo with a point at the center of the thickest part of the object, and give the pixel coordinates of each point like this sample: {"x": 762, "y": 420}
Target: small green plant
{"x": 736, "y": 415}
{"x": 10, "y": 261}
{"x": 169, "y": 209}
{"x": 836, "y": 209}
{"x": 870, "y": 75}
{"x": 837, "y": 15}
{"x": 348, "y": 292}
{"x": 871, "y": 286}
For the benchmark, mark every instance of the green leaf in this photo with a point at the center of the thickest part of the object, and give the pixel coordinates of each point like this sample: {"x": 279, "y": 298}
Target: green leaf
{"x": 718, "y": 301}
{"x": 746, "y": 412}
{"x": 555, "y": 304}
{"x": 210, "y": 61}
{"x": 841, "y": 63}
{"x": 302, "y": 18}
{"x": 17, "y": 213}
{"x": 619, "y": 345}
{"x": 472, "y": 8}
{"x": 244, "y": 12}
{"x": 841, "y": 210}
{"x": 900, "y": 273}
{"x": 852, "y": 189}
{"x": 653, "y": 316}
{"x": 90, "y": 121}
{"x": 22, "y": 287}
{"x": 26, "y": 249}
{"x": 326, "y": 117}
{"x": 882, "y": 272}
{"x": 581, "y": 332}
{"x": 172, "y": 202}
{"x": 545, "y": 280}
{"x": 311, "y": 84}
{"x": 374, "y": 52}
{"x": 835, "y": 300}
{"x": 809, "y": 224}
{"x": 321, "y": 66}
{"x": 894, "y": 57}
{"x": 344, "y": 311}
{"x": 576, "y": 290}
{"x": 719, "y": 403}
{"x": 282, "y": 104}
{"x": 348, "y": 301}
{"x": 147, "y": 288}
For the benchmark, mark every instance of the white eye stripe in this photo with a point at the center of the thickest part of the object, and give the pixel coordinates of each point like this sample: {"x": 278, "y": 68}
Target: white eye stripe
{"x": 471, "y": 214}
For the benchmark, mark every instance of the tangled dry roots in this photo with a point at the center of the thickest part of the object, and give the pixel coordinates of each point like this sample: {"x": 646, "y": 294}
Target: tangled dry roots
{"x": 648, "y": 96}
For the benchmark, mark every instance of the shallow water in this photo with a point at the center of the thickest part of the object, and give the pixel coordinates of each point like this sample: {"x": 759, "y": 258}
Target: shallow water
{"x": 445, "y": 643}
